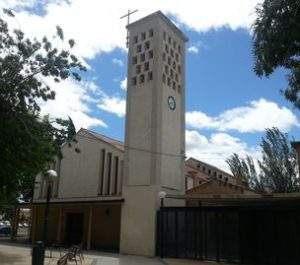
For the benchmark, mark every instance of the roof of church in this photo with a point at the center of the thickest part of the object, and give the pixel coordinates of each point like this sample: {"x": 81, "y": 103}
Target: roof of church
{"x": 165, "y": 19}
{"x": 117, "y": 144}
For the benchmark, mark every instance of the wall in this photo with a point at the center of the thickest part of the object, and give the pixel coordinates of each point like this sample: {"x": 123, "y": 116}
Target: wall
{"x": 80, "y": 173}
{"x": 106, "y": 227}
{"x": 105, "y": 233}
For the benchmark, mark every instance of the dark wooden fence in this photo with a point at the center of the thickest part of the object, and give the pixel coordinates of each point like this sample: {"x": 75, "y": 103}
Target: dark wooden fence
{"x": 244, "y": 235}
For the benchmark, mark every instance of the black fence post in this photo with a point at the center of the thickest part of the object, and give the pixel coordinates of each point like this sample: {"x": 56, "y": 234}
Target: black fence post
{"x": 217, "y": 223}
{"x": 200, "y": 234}
{"x": 176, "y": 234}
{"x": 240, "y": 229}
{"x": 161, "y": 233}
{"x": 195, "y": 228}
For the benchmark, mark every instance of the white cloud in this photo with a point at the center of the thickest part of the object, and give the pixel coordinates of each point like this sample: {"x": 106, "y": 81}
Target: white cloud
{"x": 123, "y": 84}
{"x": 255, "y": 117}
{"x": 117, "y": 62}
{"x": 217, "y": 148}
{"x": 17, "y": 3}
{"x": 193, "y": 49}
{"x": 98, "y": 28}
{"x": 72, "y": 99}
{"x": 113, "y": 104}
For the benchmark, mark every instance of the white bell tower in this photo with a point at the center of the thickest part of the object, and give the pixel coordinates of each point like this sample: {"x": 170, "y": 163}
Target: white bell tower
{"x": 155, "y": 127}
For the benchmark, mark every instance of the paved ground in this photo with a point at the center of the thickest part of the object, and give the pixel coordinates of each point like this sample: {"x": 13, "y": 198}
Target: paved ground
{"x": 20, "y": 254}
{"x": 190, "y": 262}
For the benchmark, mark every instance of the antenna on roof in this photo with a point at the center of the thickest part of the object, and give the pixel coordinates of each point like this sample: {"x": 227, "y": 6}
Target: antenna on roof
{"x": 128, "y": 21}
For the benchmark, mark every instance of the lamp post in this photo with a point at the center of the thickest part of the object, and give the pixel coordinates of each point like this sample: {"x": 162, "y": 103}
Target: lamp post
{"x": 162, "y": 195}
{"x": 50, "y": 176}
{"x": 38, "y": 250}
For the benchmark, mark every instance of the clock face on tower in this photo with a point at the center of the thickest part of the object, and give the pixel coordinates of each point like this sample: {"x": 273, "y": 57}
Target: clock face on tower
{"x": 171, "y": 103}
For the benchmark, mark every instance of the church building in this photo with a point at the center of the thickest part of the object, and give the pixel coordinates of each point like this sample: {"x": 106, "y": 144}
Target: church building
{"x": 106, "y": 196}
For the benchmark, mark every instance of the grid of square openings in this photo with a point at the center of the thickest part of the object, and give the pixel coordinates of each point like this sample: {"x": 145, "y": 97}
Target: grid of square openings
{"x": 171, "y": 57}
{"x": 142, "y": 59}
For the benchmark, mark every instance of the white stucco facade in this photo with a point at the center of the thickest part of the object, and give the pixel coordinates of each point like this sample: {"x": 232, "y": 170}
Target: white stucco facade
{"x": 91, "y": 174}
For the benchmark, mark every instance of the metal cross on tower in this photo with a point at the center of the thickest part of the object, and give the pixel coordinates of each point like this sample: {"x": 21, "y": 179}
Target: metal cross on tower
{"x": 128, "y": 15}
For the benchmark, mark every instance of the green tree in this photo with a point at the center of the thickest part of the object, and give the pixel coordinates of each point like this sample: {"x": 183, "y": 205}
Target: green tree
{"x": 29, "y": 142}
{"x": 244, "y": 169}
{"x": 277, "y": 43}
{"x": 277, "y": 170}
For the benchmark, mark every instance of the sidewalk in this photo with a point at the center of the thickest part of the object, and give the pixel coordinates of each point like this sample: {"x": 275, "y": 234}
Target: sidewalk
{"x": 191, "y": 262}
{"x": 20, "y": 254}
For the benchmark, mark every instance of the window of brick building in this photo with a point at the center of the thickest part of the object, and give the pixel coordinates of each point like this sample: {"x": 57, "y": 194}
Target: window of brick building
{"x": 169, "y": 81}
{"x": 135, "y": 39}
{"x": 151, "y": 32}
{"x": 164, "y": 57}
{"x": 164, "y": 78}
{"x": 143, "y": 35}
{"x": 143, "y": 57}
{"x": 138, "y": 69}
{"x": 139, "y": 48}
{"x": 150, "y": 76}
{"x": 142, "y": 78}
{"x": 133, "y": 81}
{"x": 150, "y": 54}
{"x": 147, "y": 45}
{"x": 146, "y": 66}
{"x": 134, "y": 60}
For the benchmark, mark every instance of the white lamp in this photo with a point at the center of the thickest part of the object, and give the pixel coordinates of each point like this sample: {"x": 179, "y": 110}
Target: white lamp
{"x": 161, "y": 195}
{"x": 51, "y": 175}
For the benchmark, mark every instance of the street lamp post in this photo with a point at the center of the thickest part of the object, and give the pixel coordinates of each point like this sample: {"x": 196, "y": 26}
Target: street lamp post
{"x": 50, "y": 176}
{"x": 38, "y": 250}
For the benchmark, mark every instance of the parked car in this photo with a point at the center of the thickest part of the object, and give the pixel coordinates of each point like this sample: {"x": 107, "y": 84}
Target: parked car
{"x": 5, "y": 230}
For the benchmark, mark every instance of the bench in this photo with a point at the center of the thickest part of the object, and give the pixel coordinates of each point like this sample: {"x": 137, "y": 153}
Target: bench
{"x": 73, "y": 254}
{"x": 63, "y": 260}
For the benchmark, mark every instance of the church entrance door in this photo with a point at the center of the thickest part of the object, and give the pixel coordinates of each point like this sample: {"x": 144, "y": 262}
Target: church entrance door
{"x": 74, "y": 228}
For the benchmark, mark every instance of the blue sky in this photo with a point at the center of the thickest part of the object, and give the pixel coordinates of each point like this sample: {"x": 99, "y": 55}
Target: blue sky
{"x": 227, "y": 106}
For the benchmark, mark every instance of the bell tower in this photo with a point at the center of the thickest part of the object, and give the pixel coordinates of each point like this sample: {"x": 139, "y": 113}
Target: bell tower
{"x": 155, "y": 127}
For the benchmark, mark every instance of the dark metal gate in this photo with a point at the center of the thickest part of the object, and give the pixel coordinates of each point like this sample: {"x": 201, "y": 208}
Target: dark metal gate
{"x": 252, "y": 235}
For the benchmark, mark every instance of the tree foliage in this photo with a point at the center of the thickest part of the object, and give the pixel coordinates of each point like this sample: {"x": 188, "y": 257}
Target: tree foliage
{"x": 277, "y": 170}
{"x": 29, "y": 142}
{"x": 277, "y": 42}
